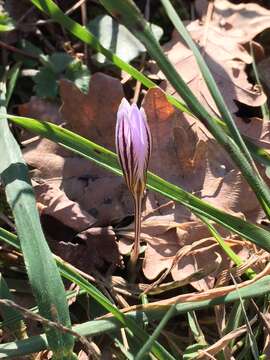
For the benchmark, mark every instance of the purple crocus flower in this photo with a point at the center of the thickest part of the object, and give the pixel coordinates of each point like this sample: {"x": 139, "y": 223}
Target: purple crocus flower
{"x": 133, "y": 146}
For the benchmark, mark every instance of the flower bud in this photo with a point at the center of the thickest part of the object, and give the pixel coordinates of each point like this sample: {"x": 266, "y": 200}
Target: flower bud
{"x": 133, "y": 145}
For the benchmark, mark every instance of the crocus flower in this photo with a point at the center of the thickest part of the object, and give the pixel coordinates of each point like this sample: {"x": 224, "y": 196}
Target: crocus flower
{"x": 133, "y": 145}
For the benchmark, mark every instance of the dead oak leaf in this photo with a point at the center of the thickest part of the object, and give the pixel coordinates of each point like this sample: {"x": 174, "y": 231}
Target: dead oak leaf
{"x": 230, "y": 193}
{"x": 226, "y": 59}
{"x": 53, "y": 201}
{"x": 41, "y": 109}
{"x": 76, "y": 193}
{"x": 168, "y": 238}
{"x": 241, "y": 21}
{"x": 91, "y": 250}
{"x": 257, "y": 130}
{"x": 92, "y": 115}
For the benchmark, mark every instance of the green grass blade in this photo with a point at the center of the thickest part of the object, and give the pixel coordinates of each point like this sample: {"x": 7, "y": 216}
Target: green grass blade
{"x": 195, "y": 328}
{"x": 235, "y": 319}
{"x": 41, "y": 268}
{"x": 18, "y": 327}
{"x": 128, "y": 355}
{"x": 108, "y": 160}
{"x": 250, "y": 335}
{"x": 98, "y": 327}
{"x": 12, "y": 77}
{"x": 147, "y": 346}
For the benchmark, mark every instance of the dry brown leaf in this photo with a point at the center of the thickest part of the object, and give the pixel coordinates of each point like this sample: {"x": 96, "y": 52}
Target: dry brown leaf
{"x": 47, "y": 111}
{"x": 256, "y": 129}
{"x": 263, "y": 69}
{"x": 223, "y": 50}
{"x": 241, "y": 21}
{"x": 53, "y": 201}
{"x": 183, "y": 149}
{"x": 93, "y": 115}
{"x": 164, "y": 244}
{"x": 90, "y": 250}
{"x": 41, "y": 109}
{"x": 231, "y": 193}
{"x": 168, "y": 238}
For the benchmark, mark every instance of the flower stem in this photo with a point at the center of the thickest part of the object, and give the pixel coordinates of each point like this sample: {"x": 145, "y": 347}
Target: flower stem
{"x": 136, "y": 247}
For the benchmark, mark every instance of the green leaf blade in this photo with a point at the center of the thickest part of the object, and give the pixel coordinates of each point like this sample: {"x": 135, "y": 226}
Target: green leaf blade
{"x": 41, "y": 267}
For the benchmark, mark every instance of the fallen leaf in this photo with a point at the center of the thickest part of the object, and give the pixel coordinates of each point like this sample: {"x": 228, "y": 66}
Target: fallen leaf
{"x": 54, "y": 202}
{"x": 92, "y": 115}
{"x": 241, "y": 21}
{"x": 168, "y": 238}
{"x": 263, "y": 69}
{"x": 90, "y": 250}
{"x": 185, "y": 154}
{"x": 42, "y": 109}
{"x": 223, "y": 51}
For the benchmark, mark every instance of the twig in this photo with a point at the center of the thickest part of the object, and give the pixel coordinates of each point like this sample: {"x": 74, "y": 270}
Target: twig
{"x": 84, "y": 22}
{"x": 18, "y": 22}
{"x": 18, "y": 51}
{"x": 27, "y": 314}
{"x": 75, "y": 7}
{"x": 68, "y": 12}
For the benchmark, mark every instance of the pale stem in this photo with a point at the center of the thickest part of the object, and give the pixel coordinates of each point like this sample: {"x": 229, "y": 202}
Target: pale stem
{"x": 136, "y": 247}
